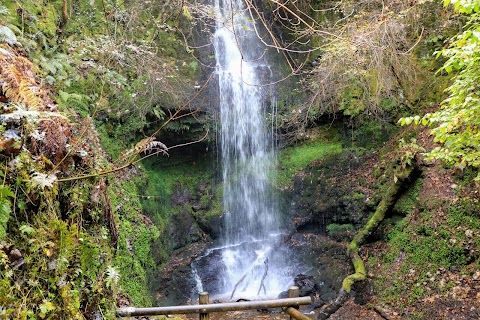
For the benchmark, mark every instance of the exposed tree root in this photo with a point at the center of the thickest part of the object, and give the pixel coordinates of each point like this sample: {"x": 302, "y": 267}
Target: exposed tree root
{"x": 360, "y": 274}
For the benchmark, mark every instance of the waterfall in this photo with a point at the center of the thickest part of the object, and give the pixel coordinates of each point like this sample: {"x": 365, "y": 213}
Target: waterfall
{"x": 252, "y": 227}
{"x": 248, "y": 262}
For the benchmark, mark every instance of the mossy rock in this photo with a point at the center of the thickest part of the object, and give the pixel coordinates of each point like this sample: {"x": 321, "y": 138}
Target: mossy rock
{"x": 341, "y": 232}
{"x": 329, "y": 191}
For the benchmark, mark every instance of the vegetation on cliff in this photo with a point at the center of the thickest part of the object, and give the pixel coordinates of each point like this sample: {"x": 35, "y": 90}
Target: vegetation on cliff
{"x": 455, "y": 124}
{"x": 350, "y": 92}
{"x": 78, "y": 78}
{"x": 85, "y": 87}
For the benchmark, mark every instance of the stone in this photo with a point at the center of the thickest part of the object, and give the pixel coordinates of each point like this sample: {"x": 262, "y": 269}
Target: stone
{"x": 14, "y": 255}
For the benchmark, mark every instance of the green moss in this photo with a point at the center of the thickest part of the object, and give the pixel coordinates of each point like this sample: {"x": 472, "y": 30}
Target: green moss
{"x": 424, "y": 248}
{"x": 65, "y": 264}
{"x": 340, "y": 231}
{"x": 136, "y": 236}
{"x": 164, "y": 179}
{"x": 334, "y": 227}
{"x": 409, "y": 199}
{"x": 370, "y": 134}
{"x": 293, "y": 159}
{"x": 360, "y": 272}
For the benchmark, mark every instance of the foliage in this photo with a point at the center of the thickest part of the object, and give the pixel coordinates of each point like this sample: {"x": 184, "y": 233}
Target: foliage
{"x": 7, "y": 35}
{"x": 109, "y": 61}
{"x": 50, "y": 265}
{"x": 455, "y": 124}
{"x": 18, "y": 85}
{"x": 58, "y": 257}
{"x": 64, "y": 277}
{"x": 408, "y": 151}
{"x": 121, "y": 68}
{"x": 136, "y": 235}
{"x": 5, "y": 208}
{"x": 364, "y": 64}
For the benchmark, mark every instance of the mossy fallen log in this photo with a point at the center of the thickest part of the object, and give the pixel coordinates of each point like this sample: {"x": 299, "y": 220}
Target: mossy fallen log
{"x": 360, "y": 274}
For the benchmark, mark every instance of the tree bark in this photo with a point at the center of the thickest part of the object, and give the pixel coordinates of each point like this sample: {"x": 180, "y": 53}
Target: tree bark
{"x": 64, "y": 13}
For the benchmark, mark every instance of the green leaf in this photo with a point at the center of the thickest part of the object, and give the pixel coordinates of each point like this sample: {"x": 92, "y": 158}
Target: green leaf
{"x": 7, "y": 35}
{"x": 25, "y": 228}
{"x": 45, "y": 308}
{"x": 50, "y": 67}
{"x": 6, "y": 192}
{"x": 159, "y": 113}
{"x": 5, "y": 209}
{"x": 186, "y": 13}
{"x": 64, "y": 96}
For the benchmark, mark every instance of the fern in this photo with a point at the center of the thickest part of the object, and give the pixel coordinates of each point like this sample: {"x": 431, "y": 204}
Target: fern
{"x": 3, "y": 10}
{"x": 42, "y": 180}
{"x": 112, "y": 277}
{"x": 7, "y": 35}
{"x": 19, "y": 84}
{"x": 147, "y": 145}
{"x": 5, "y": 209}
{"x": 29, "y": 96}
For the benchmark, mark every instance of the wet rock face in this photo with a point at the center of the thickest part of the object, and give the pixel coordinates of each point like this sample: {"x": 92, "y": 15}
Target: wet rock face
{"x": 177, "y": 282}
{"x": 325, "y": 263}
{"x": 197, "y": 215}
{"x": 306, "y": 285}
{"x": 195, "y": 222}
{"x": 185, "y": 230}
{"x": 331, "y": 191}
{"x": 210, "y": 265}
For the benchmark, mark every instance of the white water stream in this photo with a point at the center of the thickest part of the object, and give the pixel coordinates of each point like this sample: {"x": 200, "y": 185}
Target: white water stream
{"x": 251, "y": 266}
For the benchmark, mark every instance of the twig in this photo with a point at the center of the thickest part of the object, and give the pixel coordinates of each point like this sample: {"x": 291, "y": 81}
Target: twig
{"x": 262, "y": 284}
{"x": 378, "y": 310}
{"x": 236, "y": 285}
{"x": 420, "y": 37}
{"x": 98, "y": 174}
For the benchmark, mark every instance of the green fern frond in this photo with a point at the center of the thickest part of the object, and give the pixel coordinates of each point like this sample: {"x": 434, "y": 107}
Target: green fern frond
{"x": 5, "y": 209}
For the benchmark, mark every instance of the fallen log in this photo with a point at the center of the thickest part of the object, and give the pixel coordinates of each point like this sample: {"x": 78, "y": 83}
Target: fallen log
{"x": 360, "y": 274}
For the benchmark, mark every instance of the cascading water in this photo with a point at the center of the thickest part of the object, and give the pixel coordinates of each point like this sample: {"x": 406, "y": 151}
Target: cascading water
{"x": 251, "y": 264}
